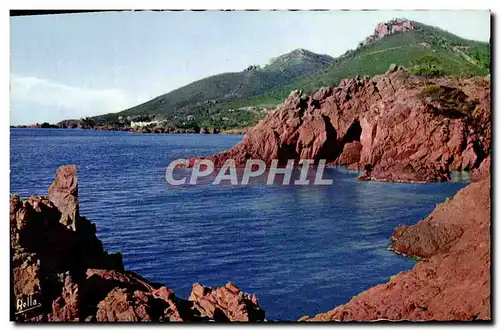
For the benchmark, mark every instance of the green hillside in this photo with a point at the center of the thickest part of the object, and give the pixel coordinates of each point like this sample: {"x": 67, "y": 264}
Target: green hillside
{"x": 197, "y": 99}
{"x": 455, "y": 56}
{"x": 235, "y": 100}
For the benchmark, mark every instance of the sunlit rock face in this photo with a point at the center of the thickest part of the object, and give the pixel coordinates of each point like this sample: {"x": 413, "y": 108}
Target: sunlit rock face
{"x": 451, "y": 283}
{"x": 404, "y": 128}
{"x": 61, "y": 273}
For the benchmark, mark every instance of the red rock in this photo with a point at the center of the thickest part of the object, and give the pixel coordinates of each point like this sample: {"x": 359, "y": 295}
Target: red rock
{"x": 424, "y": 239}
{"x": 351, "y": 155}
{"x": 391, "y": 27}
{"x": 63, "y": 193}
{"x": 483, "y": 171}
{"x": 122, "y": 306}
{"x": 66, "y": 306}
{"x": 452, "y": 283}
{"x": 406, "y": 131}
{"x": 63, "y": 265}
{"x": 78, "y": 281}
{"x": 226, "y": 303}
{"x": 163, "y": 293}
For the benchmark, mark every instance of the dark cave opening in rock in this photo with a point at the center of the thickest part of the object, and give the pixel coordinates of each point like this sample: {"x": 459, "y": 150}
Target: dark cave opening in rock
{"x": 353, "y": 133}
{"x": 330, "y": 150}
{"x": 349, "y": 152}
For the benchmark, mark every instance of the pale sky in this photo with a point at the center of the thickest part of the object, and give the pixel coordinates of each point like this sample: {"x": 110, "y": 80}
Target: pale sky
{"x": 74, "y": 65}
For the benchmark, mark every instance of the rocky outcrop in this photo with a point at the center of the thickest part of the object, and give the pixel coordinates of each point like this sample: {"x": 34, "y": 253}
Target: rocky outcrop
{"x": 391, "y": 27}
{"x": 60, "y": 271}
{"x": 71, "y": 124}
{"x": 227, "y": 302}
{"x": 452, "y": 282}
{"x": 483, "y": 171}
{"x": 404, "y": 128}
{"x": 63, "y": 193}
{"x": 351, "y": 155}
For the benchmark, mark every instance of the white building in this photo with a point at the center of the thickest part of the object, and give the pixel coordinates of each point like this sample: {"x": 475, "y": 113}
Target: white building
{"x": 141, "y": 124}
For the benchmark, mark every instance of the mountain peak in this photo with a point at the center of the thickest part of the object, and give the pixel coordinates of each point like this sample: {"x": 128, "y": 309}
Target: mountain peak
{"x": 299, "y": 56}
{"x": 212, "y": 100}
{"x": 301, "y": 51}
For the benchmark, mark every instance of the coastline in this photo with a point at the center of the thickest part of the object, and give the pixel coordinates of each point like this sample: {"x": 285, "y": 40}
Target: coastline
{"x": 451, "y": 281}
{"x": 59, "y": 263}
{"x": 262, "y": 181}
{"x": 397, "y": 127}
{"x": 84, "y": 278}
{"x": 241, "y": 131}
{"x": 414, "y": 144}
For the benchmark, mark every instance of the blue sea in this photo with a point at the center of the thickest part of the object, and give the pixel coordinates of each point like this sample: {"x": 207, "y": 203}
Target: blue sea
{"x": 301, "y": 249}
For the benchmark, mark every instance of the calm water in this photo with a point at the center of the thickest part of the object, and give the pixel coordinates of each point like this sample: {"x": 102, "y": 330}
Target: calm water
{"x": 301, "y": 250}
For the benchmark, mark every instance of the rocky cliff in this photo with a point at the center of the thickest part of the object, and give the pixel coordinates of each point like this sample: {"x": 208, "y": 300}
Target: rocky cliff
{"x": 60, "y": 271}
{"x": 452, "y": 280}
{"x": 397, "y": 126}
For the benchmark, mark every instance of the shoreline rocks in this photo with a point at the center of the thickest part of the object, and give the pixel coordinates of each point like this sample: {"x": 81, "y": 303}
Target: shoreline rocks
{"x": 239, "y": 131}
{"x": 405, "y": 128}
{"x": 452, "y": 280}
{"x": 61, "y": 272}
